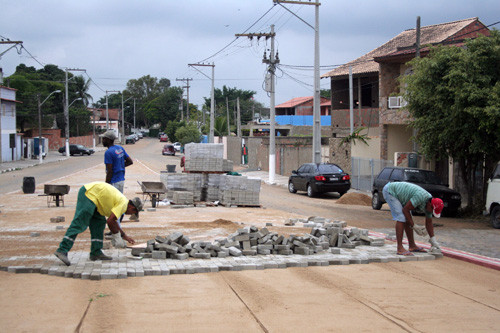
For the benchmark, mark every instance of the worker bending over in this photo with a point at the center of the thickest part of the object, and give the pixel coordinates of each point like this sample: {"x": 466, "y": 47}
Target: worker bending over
{"x": 95, "y": 201}
{"x": 404, "y": 197}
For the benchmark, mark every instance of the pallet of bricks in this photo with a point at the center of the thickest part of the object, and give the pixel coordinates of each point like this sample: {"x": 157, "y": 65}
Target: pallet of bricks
{"x": 206, "y": 181}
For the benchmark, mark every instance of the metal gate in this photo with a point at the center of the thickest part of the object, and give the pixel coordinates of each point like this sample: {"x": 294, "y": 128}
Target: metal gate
{"x": 364, "y": 171}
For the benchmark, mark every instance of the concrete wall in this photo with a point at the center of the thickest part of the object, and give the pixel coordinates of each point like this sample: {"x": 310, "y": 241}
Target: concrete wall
{"x": 233, "y": 144}
{"x": 372, "y": 150}
{"x": 340, "y": 153}
{"x": 291, "y": 152}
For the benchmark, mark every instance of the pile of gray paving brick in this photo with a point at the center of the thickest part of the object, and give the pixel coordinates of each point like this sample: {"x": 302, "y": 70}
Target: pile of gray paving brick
{"x": 207, "y": 183}
{"x": 250, "y": 241}
{"x": 206, "y": 157}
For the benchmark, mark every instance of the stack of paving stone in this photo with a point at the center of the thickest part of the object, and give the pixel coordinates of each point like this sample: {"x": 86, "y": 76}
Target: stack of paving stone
{"x": 206, "y": 157}
{"x": 212, "y": 188}
{"x": 185, "y": 182}
{"x": 250, "y": 241}
{"x": 239, "y": 191}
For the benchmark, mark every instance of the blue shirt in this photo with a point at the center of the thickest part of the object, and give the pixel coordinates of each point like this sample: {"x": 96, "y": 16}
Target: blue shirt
{"x": 116, "y": 155}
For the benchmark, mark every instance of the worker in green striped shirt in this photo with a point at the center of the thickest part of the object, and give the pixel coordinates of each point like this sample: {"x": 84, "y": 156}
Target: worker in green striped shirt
{"x": 403, "y": 198}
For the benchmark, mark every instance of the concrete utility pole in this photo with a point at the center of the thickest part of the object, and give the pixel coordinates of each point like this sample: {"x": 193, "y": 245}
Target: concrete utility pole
{"x": 212, "y": 98}
{"x": 272, "y": 61}
{"x": 66, "y": 108}
{"x": 187, "y": 99}
{"x": 317, "y": 105}
{"x": 123, "y": 120}
{"x": 238, "y": 118}
{"x": 351, "y": 110}
{"x": 227, "y": 110}
{"x": 107, "y": 111}
{"x": 9, "y": 42}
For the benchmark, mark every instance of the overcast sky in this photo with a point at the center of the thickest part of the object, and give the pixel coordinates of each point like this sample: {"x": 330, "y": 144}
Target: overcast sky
{"x": 119, "y": 40}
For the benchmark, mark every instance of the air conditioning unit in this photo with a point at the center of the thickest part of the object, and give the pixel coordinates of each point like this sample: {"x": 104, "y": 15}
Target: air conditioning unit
{"x": 396, "y": 102}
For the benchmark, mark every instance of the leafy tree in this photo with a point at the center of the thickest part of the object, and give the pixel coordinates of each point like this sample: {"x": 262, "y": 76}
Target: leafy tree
{"x": 247, "y": 103}
{"x": 30, "y": 82}
{"x": 163, "y": 108}
{"x": 187, "y": 134}
{"x": 326, "y": 93}
{"x": 172, "y": 127}
{"x": 454, "y": 98}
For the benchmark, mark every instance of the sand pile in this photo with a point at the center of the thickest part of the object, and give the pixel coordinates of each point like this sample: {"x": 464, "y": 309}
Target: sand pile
{"x": 355, "y": 199}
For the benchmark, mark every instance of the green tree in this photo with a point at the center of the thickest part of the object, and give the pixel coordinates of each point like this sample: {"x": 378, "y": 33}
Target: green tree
{"x": 29, "y": 82}
{"x": 220, "y": 126}
{"x": 454, "y": 98}
{"x": 187, "y": 134}
{"x": 172, "y": 127}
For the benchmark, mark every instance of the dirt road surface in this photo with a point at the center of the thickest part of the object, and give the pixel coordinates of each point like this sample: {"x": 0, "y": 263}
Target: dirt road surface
{"x": 430, "y": 296}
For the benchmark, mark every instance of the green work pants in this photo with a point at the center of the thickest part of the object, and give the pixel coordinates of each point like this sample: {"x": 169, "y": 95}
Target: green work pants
{"x": 86, "y": 215}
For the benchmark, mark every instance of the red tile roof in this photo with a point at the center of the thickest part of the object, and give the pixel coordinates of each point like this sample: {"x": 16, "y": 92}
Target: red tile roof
{"x": 294, "y": 102}
{"x": 432, "y": 34}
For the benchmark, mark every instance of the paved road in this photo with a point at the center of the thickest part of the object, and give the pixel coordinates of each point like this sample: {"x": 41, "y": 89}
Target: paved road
{"x": 473, "y": 235}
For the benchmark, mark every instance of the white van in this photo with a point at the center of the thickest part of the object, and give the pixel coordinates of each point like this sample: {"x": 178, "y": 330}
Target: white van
{"x": 493, "y": 197}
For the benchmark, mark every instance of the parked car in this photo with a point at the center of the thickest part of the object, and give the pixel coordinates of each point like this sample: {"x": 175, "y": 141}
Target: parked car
{"x": 427, "y": 179}
{"x": 164, "y": 138}
{"x": 177, "y": 146}
{"x": 76, "y": 150}
{"x": 168, "y": 149}
{"x": 129, "y": 139}
{"x": 493, "y": 198}
{"x": 319, "y": 178}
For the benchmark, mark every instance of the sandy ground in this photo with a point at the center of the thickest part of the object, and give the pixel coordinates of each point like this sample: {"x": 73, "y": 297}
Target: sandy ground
{"x": 432, "y": 296}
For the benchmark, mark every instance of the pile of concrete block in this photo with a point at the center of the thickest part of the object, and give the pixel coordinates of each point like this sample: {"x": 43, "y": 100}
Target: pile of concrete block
{"x": 206, "y": 157}
{"x": 212, "y": 186}
{"x": 250, "y": 241}
{"x": 239, "y": 191}
{"x": 182, "y": 197}
{"x": 188, "y": 182}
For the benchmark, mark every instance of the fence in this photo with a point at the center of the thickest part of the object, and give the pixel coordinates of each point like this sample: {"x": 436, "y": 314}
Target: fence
{"x": 364, "y": 171}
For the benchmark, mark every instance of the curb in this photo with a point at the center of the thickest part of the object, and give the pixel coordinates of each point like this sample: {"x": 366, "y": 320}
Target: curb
{"x": 472, "y": 258}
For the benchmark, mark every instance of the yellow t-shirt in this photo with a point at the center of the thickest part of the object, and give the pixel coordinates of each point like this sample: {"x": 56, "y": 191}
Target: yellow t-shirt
{"x": 106, "y": 198}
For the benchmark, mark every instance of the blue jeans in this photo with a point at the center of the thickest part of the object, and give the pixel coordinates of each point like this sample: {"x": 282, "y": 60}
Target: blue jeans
{"x": 394, "y": 204}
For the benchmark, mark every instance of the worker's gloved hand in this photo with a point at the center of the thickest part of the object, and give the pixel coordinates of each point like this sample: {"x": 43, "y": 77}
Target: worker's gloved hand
{"x": 420, "y": 229}
{"x": 434, "y": 242}
{"x": 117, "y": 241}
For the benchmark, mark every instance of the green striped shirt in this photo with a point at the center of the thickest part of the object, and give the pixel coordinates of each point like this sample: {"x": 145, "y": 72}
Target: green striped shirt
{"x": 405, "y": 192}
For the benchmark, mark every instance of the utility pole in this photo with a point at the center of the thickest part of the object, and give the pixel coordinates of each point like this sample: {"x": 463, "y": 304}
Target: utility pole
{"x": 317, "y": 105}
{"x": 227, "y": 110}
{"x": 66, "y": 107}
{"x": 187, "y": 100}
{"x": 272, "y": 61}
{"x": 238, "y": 118}
{"x": 9, "y": 42}
{"x": 107, "y": 111}
{"x": 212, "y": 98}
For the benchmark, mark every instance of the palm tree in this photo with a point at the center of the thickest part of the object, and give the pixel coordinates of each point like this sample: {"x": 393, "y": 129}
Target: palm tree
{"x": 82, "y": 88}
{"x": 220, "y": 126}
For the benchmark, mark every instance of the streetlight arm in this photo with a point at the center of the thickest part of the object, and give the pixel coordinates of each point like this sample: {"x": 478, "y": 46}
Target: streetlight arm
{"x": 45, "y": 100}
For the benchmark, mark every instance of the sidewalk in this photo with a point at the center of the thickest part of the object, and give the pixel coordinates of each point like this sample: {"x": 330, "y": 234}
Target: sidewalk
{"x": 52, "y": 156}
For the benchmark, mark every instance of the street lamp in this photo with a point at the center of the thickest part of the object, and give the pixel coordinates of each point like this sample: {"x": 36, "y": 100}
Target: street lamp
{"x": 40, "y": 123}
{"x": 66, "y": 144}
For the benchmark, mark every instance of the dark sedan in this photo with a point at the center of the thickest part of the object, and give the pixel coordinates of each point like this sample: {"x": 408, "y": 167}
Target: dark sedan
{"x": 319, "y": 178}
{"x": 76, "y": 150}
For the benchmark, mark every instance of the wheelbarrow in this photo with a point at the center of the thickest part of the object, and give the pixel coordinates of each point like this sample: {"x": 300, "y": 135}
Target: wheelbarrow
{"x": 55, "y": 193}
{"x": 152, "y": 190}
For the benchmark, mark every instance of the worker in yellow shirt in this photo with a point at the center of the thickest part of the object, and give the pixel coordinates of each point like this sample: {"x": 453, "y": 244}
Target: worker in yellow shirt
{"x": 95, "y": 201}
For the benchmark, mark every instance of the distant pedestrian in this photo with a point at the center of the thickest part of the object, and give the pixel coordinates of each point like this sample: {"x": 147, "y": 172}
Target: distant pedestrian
{"x": 403, "y": 198}
{"x": 244, "y": 152}
{"x": 95, "y": 202}
{"x": 116, "y": 160}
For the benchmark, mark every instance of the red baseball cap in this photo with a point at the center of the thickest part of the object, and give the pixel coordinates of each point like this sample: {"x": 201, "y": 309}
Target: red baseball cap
{"x": 437, "y": 206}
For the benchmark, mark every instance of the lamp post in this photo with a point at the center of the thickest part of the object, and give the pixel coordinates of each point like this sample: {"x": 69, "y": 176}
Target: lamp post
{"x": 40, "y": 155}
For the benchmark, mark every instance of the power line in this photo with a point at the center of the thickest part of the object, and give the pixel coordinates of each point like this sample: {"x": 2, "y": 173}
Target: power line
{"x": 225, "y": 47}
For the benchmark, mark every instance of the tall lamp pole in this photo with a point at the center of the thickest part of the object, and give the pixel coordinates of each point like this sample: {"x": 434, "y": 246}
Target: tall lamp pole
{"x": 66, "y": 108}
{"x": 40, "y": 155}
{"x": 123, "y": 121}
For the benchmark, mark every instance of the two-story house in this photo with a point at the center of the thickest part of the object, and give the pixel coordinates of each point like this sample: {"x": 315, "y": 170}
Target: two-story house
{"x": 11, "y": 147}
